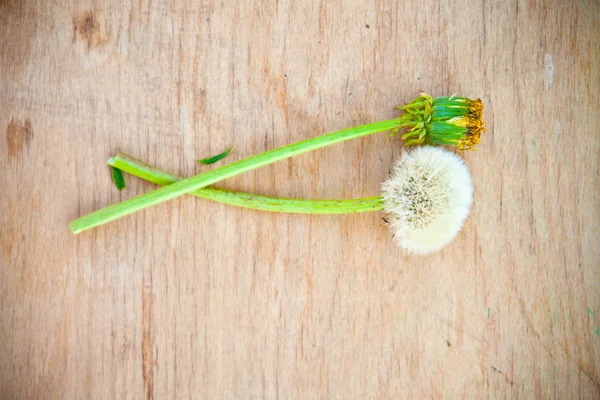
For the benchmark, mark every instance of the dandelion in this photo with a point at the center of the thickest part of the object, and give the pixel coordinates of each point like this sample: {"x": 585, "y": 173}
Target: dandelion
{"x": 454, "y": 121}
{"x": 426, "y": 198}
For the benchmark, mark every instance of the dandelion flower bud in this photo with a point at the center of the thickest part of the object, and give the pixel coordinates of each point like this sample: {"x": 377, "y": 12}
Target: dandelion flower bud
{"x": 427, "y": 198}
{"x": 452, "y": 121}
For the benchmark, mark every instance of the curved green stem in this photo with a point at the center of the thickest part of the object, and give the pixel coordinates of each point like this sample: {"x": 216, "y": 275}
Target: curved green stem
{"x": 248, "y": 200}
{"x": 188, "y": 185}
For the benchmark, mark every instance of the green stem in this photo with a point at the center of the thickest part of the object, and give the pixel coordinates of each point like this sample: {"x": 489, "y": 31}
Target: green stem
{"x": 248, "y": 200}
{"x": 188, "y": 185}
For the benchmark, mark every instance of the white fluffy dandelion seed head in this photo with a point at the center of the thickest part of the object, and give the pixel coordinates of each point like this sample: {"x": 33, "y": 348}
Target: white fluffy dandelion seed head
{"x": 427, "y": 198}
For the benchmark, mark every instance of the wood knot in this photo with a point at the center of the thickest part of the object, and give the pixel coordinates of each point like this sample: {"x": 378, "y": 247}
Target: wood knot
{"x": 18, "y": 136}
{"x": 91, "y": 29}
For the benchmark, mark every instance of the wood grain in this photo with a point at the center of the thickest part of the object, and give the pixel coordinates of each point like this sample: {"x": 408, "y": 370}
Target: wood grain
{"x": 193, "y": 299}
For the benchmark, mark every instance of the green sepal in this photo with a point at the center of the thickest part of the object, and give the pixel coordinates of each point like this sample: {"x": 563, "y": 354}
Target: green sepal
{"x": 444, "y": 128}
{"x": 448, "y": 113}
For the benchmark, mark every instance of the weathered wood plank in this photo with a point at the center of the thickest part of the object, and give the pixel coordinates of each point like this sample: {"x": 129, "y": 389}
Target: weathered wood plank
{"x": 192, "y": 299}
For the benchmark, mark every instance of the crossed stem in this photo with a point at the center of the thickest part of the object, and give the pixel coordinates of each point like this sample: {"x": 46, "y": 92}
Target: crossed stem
{"x": 248, "y": 200}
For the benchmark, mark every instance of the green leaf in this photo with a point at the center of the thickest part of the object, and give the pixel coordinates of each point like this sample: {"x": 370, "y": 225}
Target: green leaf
{"x": 214, "y": 159}
{"x": 118, "y": 179}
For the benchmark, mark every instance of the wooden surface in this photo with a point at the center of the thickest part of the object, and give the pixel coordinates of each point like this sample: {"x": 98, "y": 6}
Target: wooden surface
{"x": 193, "y": 299}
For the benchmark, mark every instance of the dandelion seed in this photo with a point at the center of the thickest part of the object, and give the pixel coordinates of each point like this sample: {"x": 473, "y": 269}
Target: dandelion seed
{"x": 427, "y": 198}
